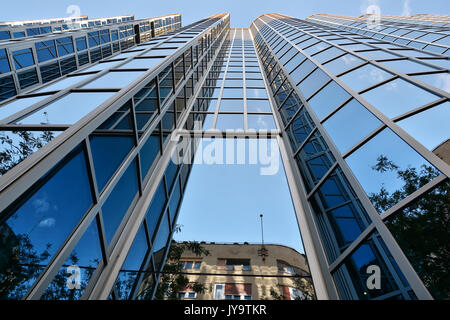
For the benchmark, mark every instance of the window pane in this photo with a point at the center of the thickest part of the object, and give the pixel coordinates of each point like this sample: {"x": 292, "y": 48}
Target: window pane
{"x": 150, "y": 150}
{"x": 328, "y": 99}
{"x": 230, "y": 121}
{"x": 350, "y": 124}
{"x": 114, "y": 80}
{"x": 47, "y": 217}
{"x": 118, "y": 202}
{"x": 355, "y": 267}
{"x": 343, "y": 63}
{"x": 86, "y": 255}
{"x": 412, "y": 227}
{"x": 383, "y": 166}
{"x": 18, "y": 105}
{"x": 397, "y": 97}
{"x": 261, "y": 122}
{"x": 364, "y": 77}
{"x": 62, "y": 110}
{"x": 313, "y": 82}
{"x": 258, "y": 106}
{"x": 63, "y": 84}
{"x": 429, "y": 127}
{"x": 16, "y": 146}
{"x": 108, "y": 152}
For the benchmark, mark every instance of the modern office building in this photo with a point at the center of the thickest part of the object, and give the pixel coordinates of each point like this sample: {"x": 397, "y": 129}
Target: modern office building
{"x": 95, "y": 165}
{"x": 237, "y": 271}
{"x": 37, "y": 52}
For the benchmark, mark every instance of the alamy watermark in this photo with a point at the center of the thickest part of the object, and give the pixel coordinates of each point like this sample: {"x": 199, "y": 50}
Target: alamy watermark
{"x": 228, "y": 148}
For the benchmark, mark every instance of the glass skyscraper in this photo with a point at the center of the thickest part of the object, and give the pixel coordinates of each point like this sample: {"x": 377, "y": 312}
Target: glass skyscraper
{"x": 93, "y": 175}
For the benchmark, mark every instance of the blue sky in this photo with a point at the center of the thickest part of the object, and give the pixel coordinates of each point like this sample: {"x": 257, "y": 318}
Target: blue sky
{"x": 222, "y": 203}
{"x": 242, "y": 11}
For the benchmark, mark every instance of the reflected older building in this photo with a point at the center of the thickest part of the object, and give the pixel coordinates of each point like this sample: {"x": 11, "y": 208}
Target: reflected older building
{"x": 93, "y": 176}
{"x": 238, "y": 272}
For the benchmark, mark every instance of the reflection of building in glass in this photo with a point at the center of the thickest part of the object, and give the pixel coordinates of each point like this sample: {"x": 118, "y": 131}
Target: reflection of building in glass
{"x": 360, "y": 117}
{"x": 236, "y": 271}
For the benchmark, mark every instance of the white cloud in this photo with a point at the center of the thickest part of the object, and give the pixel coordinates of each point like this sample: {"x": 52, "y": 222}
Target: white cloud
{"x": 48, "y": 223}
{"x": 41, "y": 205}
{"x": 443, "y": 82}
{"x": 406, "y": 8}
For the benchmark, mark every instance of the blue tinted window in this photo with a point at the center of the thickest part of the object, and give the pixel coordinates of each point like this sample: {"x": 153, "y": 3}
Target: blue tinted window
{"x": 300, "y": 128}
{"x": 81, "y": 43}
{"x": 93, "y": 39}
{"x": 45, "y": 50}
{"x": 114, "y": 35}
{"x": 304, "y": 69}
{"x": 134, "y": 261}
{"x": 350, "y": 125}
{"x": 161, "y": 240}
{"x": 5, "y": 35}
{"x": 7, "y": 88}
{"x": 86, "y": 255}
{"x": 44, "y": 221}
{"x": 4, "y": 64}
{"x": 19, "y": 35}
{"x": 119, "y": 201}
{"x": 155, "y": 210}
{"x": 50, "y": 72}
{"x": 65, "y": 46}
{"x": 355, "y": 267}
{"x": 171, "y": 173}
{"x": 104, "y": 36}
{"x": 149, "y": 152}
{"x": 68, "y": 65}
{"x": 61, "y": 112}
{"x": 174, "y": 202}
{"x": 328, "y": 99}
{"x": 32, "y": 31}
{"x": 108, "y": 152}
{"x": 27, "y": 78}
{"x": 23, "y": 58}
{"x": 313, "y": 82}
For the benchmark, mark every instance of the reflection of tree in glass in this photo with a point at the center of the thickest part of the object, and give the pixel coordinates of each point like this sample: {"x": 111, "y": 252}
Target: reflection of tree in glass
{"x": 422, "y": 230}
{"x": 301, "y": 284}
{"x": 172, "y": 281}
{"x": 13, "y": 152}
{"x": 19, "y": 263}
{"x": 59, "y": 289}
